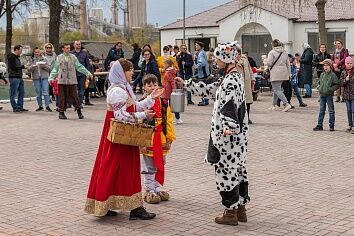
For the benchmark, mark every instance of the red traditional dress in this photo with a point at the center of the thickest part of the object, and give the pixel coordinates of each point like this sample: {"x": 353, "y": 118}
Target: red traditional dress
{"x": 116, "y": 182}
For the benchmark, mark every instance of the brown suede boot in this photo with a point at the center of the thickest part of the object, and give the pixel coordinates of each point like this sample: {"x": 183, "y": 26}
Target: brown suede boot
{"x": 241, "y": 213}
{"x": 228, "y": 218}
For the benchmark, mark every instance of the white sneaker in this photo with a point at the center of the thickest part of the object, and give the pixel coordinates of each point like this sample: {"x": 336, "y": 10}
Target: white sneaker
{"x": 179, "y": 122}
{"x": 287, "y": 107}
{"x": 272, "y": 108}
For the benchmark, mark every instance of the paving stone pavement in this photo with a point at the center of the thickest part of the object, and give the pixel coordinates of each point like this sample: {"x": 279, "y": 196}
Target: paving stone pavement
{"x": 301, "y": 182}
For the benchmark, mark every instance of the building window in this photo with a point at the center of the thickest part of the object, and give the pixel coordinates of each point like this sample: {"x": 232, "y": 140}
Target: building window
{"x": 313, "y": 40}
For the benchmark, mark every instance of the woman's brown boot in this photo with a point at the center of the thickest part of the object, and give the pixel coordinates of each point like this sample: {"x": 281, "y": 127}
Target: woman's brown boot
{"x": 241, "y": 213}
{"x": 228, "y": 218}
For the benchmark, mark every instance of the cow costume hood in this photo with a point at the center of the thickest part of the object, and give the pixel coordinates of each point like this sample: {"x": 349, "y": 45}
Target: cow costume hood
{"x": 227, "y": 52}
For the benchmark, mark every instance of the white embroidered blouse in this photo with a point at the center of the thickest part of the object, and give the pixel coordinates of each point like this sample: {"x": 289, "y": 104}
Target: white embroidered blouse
{"x": 119, "y": 99}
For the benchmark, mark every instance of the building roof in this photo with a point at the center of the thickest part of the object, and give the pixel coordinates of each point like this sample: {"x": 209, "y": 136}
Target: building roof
{"x": 335, "y": 10}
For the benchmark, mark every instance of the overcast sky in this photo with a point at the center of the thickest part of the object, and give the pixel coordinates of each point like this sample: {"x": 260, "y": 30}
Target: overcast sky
{"x": 158, "y": 11}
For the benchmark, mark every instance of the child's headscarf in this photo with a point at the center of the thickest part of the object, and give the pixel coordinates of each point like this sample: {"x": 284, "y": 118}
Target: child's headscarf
{"x": 117, "y": 78}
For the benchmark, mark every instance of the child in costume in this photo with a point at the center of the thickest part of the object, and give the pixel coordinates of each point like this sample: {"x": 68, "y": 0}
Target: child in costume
{"x": 163, "y": 136}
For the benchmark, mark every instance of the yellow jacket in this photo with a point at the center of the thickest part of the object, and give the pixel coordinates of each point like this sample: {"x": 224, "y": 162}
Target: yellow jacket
{"x": 170, "y": 133}
{"x": 160, "y": 61}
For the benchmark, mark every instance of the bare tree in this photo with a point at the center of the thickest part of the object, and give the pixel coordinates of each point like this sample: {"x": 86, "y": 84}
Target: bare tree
{"x": 8, "y": 9}
{"x": 55, "y": 9}
{"x": 321, "y": 13}
{"x": 2, "y": 4}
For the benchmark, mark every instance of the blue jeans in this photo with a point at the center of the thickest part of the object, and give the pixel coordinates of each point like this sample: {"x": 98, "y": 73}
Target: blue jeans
{"x": 205, "y": 101}
{"x": 350, "y": 112}
{"x": 295, "y": 87}
{"x": 81, "y": 88}
{"x": 308, "y": 88}
{"x": 138, "y": 81}
{"x": 16, "y": 87}
{"x": 329, "y": 101}
{"x": 42, "y": 88}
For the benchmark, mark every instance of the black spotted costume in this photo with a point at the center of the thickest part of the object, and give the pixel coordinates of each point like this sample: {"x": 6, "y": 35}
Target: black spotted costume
{"x": 228, "y": 153}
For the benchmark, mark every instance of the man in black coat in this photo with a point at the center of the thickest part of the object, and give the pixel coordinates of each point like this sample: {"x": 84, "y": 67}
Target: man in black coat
{"x": 14, "y": 69}
{"x": 84, "y": 60}
{"x": 114, "y": 54}
{"x": 185, "y": 67}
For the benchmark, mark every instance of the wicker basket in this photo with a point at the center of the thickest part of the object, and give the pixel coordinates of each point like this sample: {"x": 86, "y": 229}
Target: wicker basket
{"x": 133, "y": 134}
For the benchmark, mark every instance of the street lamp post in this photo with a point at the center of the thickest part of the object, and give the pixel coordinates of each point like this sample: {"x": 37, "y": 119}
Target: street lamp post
{"x": 184, "y": 21}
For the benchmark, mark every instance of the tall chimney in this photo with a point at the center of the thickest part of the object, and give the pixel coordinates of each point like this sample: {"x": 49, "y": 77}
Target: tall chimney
{"x": 83, "y": 19}
{"x": 114, "y": 12}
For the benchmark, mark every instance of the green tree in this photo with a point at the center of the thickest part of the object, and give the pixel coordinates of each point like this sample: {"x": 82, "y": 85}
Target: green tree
{"x": 69, "y": 37}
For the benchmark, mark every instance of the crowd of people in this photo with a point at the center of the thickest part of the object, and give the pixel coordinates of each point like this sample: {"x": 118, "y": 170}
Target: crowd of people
{"x": 116, "y": 180}
{"x": 334, "y": 78}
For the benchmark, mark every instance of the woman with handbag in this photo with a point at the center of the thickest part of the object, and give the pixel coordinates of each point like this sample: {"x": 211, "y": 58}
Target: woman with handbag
{"x": 279, "y": 67}
{"x": 116, "y": 181}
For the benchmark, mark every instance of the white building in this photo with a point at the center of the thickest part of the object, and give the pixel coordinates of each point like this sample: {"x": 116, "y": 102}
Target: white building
{"x": 255, "y": 27}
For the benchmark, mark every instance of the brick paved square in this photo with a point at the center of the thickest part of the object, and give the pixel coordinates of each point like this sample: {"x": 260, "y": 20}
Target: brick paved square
{"x": 301, "y": 182}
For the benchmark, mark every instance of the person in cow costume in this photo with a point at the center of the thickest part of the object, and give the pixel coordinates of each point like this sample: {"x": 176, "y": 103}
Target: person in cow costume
{"x": 228, "y": 138}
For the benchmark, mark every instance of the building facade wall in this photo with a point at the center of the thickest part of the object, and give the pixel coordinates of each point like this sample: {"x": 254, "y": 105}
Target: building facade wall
{"x": 302, "y": 29}
{"x": 252, "y": 20}
{"x": 174, "y": 36}
{"x": 272, "y": 22}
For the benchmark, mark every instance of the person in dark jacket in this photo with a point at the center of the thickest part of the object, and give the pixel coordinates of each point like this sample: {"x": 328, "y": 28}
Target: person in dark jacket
{"x": 185, "y": 67}
{"x": 83, "y": 57}
{"x": 114, "y": 54}
{"x": 338, "y": 59}
{"x": 320, "y": 57}
{"x": 306, "y": 68}
{"x": 251, "y": 60}
{"x": 347, "y": 82}
{"x": 136, "y": 58}
{"x": 14, "y": 70}
{"x": 148, "y": 66}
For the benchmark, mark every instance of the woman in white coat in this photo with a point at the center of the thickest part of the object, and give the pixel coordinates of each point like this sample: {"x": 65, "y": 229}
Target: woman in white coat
{"x": 279, "y": 65}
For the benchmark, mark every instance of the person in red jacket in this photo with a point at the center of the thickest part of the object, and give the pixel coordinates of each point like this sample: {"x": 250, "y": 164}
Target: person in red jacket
{"x": 169, "y": 84}
{"x": 55, "y": 86}
{"x": 338, "y": 59}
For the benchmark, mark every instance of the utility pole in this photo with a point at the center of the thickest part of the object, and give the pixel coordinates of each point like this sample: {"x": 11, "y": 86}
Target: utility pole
{"x": 184, "y": 21}
{"x": 83, "y": 19}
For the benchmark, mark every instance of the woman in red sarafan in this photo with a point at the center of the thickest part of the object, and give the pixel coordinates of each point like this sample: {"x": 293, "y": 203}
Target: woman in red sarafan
{"x": 116, "y": 182}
